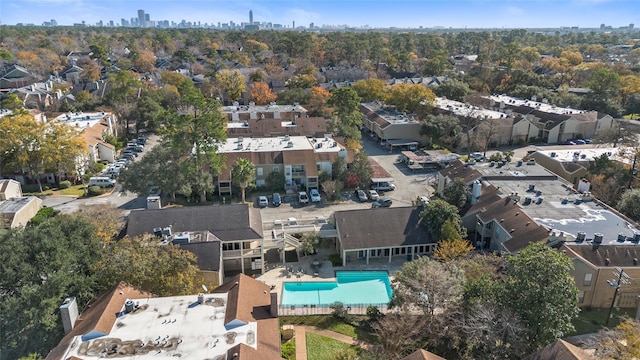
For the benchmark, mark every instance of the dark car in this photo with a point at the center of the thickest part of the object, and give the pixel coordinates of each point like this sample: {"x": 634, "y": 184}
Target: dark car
{"x": 384, "y": 201}
{"x": 277, "y": 200}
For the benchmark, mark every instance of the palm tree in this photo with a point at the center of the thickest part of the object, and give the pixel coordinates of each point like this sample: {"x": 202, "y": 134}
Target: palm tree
{"x": 243, "y": 172}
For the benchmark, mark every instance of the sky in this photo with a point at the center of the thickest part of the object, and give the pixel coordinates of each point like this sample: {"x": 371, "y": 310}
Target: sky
{"x": 357, "y": 13}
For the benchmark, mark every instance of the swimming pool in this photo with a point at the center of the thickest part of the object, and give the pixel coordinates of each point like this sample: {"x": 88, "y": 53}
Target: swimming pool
{"x": 351, "y": 288}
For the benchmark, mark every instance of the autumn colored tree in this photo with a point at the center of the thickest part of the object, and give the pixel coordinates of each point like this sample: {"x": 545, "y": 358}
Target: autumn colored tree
{"x": 261, "y": 94}
{"x": 39, "y": 147}
{"x": 413, "y": 98}
{"x": 451, "y": 250}
{"x": 622, "y": 342}
{"x": 370, "y": 89}
{"x": 108, "y": 220}
{"x": 232, "y": 83}
{"x": 318, "y": 100}
{"x": 145, "y": 61}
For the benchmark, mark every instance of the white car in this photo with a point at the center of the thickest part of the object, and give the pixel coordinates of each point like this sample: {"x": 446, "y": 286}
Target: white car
{"x": 303, "y": 198}
{"x": 263, "y": 201}
{"x": 315, "y": 195}
{"x": 383, "y": 186}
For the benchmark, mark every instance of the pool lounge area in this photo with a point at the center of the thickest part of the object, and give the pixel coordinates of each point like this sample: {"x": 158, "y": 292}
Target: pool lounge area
{"x": 355, "y": 289}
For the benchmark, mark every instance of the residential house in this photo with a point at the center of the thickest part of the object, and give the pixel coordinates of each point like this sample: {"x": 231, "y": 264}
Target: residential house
{"x": 38, "y": 95}
{"x": 72, "y": 74}
{"x": 242, "y": 113}
{"x": 514, "y": 204}
{"x": 392, "y": 126}
{"x": 14, "y": 77}
{"x": 383, "y": 233}
{"x": 16, "y": 210}
{"x": 464, "y": 62}
{"x": 556, "y": 124}
{"x": 595, "y": 266}
{"x": 299, "y": 158}
{"x": 93, "y": 128}
{"x": 561, "y": 349}
{"x": 238, "y": 226}
{"x": 238, "y": 320}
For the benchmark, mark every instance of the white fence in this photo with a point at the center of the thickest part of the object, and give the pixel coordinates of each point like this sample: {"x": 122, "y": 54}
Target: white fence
{"x": 300, "y": 310}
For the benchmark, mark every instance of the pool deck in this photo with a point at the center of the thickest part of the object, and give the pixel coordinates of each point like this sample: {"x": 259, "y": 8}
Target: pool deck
{"x": 303, "y": 270}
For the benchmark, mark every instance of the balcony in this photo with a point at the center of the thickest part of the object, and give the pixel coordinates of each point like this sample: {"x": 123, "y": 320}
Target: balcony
{"x": 233, "y": 254}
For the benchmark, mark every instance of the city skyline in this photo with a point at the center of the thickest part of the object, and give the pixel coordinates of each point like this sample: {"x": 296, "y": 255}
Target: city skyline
{"x": 355, "y": 13}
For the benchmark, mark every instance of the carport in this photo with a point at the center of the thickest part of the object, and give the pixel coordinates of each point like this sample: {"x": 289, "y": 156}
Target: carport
{"x": 400, "y": 142}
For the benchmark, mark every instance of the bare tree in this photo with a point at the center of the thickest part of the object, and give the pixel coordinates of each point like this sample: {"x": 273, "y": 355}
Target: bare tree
{"x": 399, "y": 334}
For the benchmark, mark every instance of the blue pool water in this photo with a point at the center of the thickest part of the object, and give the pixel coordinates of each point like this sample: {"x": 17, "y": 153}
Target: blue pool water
{"x": 351, "y": 288}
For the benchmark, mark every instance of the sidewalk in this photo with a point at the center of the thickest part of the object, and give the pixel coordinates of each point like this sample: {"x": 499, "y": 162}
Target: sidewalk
{"x": 301, "y": 339}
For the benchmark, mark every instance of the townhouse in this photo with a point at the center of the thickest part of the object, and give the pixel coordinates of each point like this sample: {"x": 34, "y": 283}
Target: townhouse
{"x": 298, "y": 158}
{"x": 391, "y": 126}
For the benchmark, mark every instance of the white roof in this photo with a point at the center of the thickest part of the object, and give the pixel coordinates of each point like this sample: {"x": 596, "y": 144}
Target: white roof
{"x": 621, "y": 154}
{"x": 548, "y": 108}
{"x": 281, "y": 143}
{"x": 463, "y": 109}
{"x": 82, "y": 120}
{"x": 172, "y": 327}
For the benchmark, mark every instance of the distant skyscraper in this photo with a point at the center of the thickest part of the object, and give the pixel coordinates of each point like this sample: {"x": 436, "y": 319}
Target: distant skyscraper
{"x": 250, "y": 17}
{"x": 141, "y": 21}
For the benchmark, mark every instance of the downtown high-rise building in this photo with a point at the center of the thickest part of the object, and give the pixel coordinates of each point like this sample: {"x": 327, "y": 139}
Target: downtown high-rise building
{"x": 250, "y": 17}
{"x": 141, "y": 18}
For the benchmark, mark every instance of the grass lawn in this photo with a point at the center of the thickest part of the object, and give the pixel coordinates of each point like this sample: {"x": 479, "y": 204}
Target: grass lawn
{"x": 330, "y": 323}
{"x": 592, "y": 320}
{"x": 76, "y": 190}
{"x": 324, "y": 348}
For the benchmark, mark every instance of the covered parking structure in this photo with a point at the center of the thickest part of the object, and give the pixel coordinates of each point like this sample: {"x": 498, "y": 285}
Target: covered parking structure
{"x": 401, "y": 143}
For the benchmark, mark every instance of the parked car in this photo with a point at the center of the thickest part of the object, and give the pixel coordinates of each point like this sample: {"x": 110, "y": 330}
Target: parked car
{"x": 141, "y": 140}
{"x": 373, "y": 195}
{"x": 477, "y": 156}
{"x": 136, "y": 147}
{"x": 128, "y": 151}
{"x": 127, "y": 155}
{"x": 263, "y": 201}
{"x": 361, "y": 195}
{"x": 276, "y": 200}
{"x": 102, "y": 181}
{"x": 580, "y": 142}
{"x": 303, "y": 198}
{"x": 384, "y": 201}
{"x": 383, "y": 186}
{"x": 315, "y": 195}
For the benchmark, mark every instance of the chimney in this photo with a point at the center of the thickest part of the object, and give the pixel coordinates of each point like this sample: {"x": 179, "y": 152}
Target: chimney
{"x": 69, "y": 313}
{"x": 200, "y": 298}
{"x": 274, "y": 304}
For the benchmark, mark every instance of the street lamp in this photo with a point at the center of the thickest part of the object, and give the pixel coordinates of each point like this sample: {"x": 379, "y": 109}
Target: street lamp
{"x": 622, "y": 279}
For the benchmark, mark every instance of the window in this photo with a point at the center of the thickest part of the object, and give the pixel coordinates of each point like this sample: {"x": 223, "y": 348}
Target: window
{"x": 587, "y": 279}
{"x": 276, "y": 170}
{"x": 259, "y": 171}
{"x": 260, "y": 183}
{"x": 580, "y": 297}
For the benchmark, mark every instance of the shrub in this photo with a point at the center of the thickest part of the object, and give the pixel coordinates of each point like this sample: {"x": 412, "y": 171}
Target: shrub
{"x": 289, "y": 349}
{"x": 42, "y": 215}
{"x": 94, "y": 190}
{"x": 335, "y": 260}
{"x": 65, "y": 184}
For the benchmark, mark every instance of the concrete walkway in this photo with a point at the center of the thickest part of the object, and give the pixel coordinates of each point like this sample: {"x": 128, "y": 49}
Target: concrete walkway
{"x": 301, "y": 339}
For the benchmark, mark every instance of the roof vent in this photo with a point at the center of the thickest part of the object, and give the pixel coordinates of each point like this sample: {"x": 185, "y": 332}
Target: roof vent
{"x": 635, "y": 261}
{"x": 607, "y": 261}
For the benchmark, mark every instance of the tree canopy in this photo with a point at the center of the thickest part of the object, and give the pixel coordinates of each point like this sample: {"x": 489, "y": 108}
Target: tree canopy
{"x": 436, "y": 213}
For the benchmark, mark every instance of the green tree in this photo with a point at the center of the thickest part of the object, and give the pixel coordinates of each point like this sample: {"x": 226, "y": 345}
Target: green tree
{"x": 294, "y": 95}
{"x": 339, "y": 169}
{"x": 453, "y": 89}
{"x": 441, "y": 129}
{"x": 628, "y": 204}
{"x": 309, "y": 242}
{"x": 347, "y": 117}
{"x": 304, "y": 81}
{"x": 361, "y": 167}
{"x": 164, "y": 270}
{"x": 541, "y": 290}
{"x": 123, "y": 93}
{"x": 455, "y": 193}
{"x": 193, "y": 132}
{"x": 41, "y": 265}
{"x": 436, "y": 213}
{"x": 11, "y": 102}
{"x": 243, "y": 173}
{"x": 275, "y": 181}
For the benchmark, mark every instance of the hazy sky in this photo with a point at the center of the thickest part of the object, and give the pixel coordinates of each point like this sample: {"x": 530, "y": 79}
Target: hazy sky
{"x": 397, "y": 13}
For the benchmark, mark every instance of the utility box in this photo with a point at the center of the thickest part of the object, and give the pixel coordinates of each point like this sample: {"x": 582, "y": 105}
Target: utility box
{"x": 154, "y": 202}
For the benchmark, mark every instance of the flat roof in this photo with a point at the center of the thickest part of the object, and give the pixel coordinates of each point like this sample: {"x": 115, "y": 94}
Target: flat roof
{"x": 174, "y": 326}
{"x": 261, "y": 108}
{"x": 242, "y": 124}
{"x": 512, "y": 169}
{"x": 81, "y": 120}
{"x": 389, "y": 113}
{"x": 568, "y": 216}
{"x": 463, "y": 109}
{"x": 620, "y": 154}
{"x": 542, "y": 106}
{"x": 280, "y": 143}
